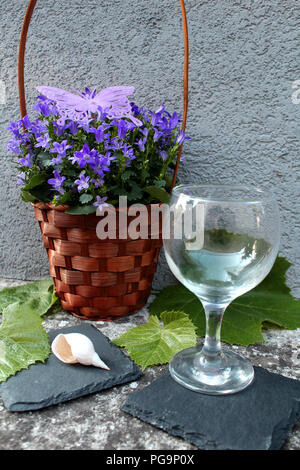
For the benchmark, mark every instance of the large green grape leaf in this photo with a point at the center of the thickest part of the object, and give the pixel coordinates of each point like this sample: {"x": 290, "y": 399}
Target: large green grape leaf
{"x": 271, "y": 301}
{"x": 151, "y": 344}
{"x": 23, "y": 340}
{"x": 40, "y": 295}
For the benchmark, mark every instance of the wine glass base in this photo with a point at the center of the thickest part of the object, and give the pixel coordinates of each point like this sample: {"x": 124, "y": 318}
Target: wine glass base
{"x": 231, "y": 373}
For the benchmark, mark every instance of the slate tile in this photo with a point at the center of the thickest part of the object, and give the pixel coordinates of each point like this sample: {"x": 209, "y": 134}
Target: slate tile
{"x": 52, "y": 382}
{"x": 257, "y": 418}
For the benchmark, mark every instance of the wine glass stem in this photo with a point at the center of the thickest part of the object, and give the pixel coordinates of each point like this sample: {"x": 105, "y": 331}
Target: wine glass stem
{"x": 212, "y": 343}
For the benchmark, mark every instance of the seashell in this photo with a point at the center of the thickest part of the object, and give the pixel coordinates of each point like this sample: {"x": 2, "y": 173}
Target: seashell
{"x": 74, "y": 348}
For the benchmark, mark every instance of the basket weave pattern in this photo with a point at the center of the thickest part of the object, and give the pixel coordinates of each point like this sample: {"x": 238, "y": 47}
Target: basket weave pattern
{"x": 96, "y": 279}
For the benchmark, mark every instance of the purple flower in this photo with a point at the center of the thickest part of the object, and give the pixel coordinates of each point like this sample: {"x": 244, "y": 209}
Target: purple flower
{"x": 102, "y": 113}
{"x": 57, "y": 182}
{"x": 84, "y": 156}
{"x": 99, "y": 133}
{"x": 174, "y": 120}
{"x": 97, "y": 182}
{"x": 14, "y": 146}
{"x": 82, "y": 182}
{"x": 60, "y": 149}
{"x": 100, "y": 163}
{"x": 20, "y": 179}
{"x": 128, "y": 153}
{"x": 182, "y": 137}
{"x": 157, "y": 134}
{"x": 14, "y": 128}
{"x": 100, "y": 202}
{"x": 122, "y": 128}
{"x": 26, "y": 122}
{"x": 42, "y": 107}
{"x": 141, "y": 143}
{"x": 163, "y": 154}
{"x": 26, "y": 161}
{"x": 38, "y": 128}
{"x": 114, "y": 144}
{"x": 43, "y": 141}
{"x": 73, "y": 128}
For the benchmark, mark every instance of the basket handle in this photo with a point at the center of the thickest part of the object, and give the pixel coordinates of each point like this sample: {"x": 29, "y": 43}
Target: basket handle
{"x": 22, "y": 46}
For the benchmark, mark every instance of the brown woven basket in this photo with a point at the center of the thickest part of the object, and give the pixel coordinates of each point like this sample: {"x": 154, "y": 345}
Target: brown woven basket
{"x": 97, "y": 279}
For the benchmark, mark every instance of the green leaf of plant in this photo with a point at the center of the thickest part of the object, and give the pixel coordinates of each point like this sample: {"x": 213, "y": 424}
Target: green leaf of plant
{"x": 270, "y": 302}
{"x": 39, "y": 295}
{"x": 150, "y": 344}
{"x": 23, "y": 340}
{"x": 81, "y": 210}
{"x": 36, "y": 180}
{"x": 84, "y": 198}
{"x": 158, "y": 193}
{"x": 27, "y": 197}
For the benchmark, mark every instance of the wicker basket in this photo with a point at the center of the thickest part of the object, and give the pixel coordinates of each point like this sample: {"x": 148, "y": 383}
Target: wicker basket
{"x": 96, "y": 279}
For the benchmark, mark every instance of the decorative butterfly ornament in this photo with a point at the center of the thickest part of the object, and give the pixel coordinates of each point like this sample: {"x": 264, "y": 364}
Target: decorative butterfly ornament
{"x": 79, "y": 107}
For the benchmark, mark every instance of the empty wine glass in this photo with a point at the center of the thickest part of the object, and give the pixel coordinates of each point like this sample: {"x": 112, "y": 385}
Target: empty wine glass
{"x": 222, "y": 242}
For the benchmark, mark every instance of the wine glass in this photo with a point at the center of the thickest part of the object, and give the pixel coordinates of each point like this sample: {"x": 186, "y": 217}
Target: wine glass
{"x": 220, "y": 241}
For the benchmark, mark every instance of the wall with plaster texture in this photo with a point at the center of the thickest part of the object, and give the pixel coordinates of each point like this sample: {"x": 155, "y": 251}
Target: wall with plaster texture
{"x": 244, "y": 57}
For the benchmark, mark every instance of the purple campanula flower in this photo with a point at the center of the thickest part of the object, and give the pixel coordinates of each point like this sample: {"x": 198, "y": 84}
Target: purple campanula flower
{"x": 174, "y": 120}
{"x": 43, "y": 141}
{"x": 182, "y": 137}
{"x": 145, "y": 131}
{"x": 141, "y": 144}
{"x": 60, "y": 148}
{"x": 14, "y": 146}
{"x": 82, "y": 182}
{"x": 114, "y": 144}
{"x": 128, "y": 153}
{"x": 122, "y": 128}
{"x": 43, "y": 108}
{"x": 101, "y": 163}
{"x": 97, "y": 182}
{"x": 73, "y": 128}
{"x": 157, "y": 134}
{"x": 102, "y": 113}
{"x": 57, "y": 182}
{"x": 163, "y": 154}
{"x": 100, "y": 203}
{"x": 99, "y": 133}
{"x": 59, "y": 130}
{"x": 26, "y": 161}
{"x": 26, "y": 122}
{"x": 84, "y": 156}
{"x": 20, "y": 179}
{"x": 14, "y": 128}
{"x": 38, "y": 128}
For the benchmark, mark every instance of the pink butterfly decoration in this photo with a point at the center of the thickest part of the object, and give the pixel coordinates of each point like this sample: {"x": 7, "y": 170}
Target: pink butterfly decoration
{"x": 79, "y": 107}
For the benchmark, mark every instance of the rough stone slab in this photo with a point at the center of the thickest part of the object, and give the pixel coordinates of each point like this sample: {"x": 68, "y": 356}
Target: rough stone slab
{"x": 52, "y": 382}
{"x": 258, "y": 418}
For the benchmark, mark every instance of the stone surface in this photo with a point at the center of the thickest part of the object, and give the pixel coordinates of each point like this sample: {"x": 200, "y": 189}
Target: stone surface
{"x": 258, "y": 418}
{"x": 52, "y": 382}
{"x": 244, "y": 57}
{"x": 97, "y": 422}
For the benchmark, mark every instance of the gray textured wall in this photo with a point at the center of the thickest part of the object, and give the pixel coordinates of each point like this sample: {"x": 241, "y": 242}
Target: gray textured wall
{"x": 244, "y": 56}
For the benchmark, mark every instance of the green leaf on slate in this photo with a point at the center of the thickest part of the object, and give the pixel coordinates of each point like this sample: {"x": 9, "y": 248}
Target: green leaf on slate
{"x": 21, "y": 342}
{"x": 39, "y": 295}
{"x": 269, "y": 302}
{"x": 151, "y": 344}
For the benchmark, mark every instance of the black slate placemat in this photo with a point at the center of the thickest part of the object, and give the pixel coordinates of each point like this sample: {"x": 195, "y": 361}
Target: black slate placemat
{"x": 257, "y": 418}
{"x": 52, "y": 382}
